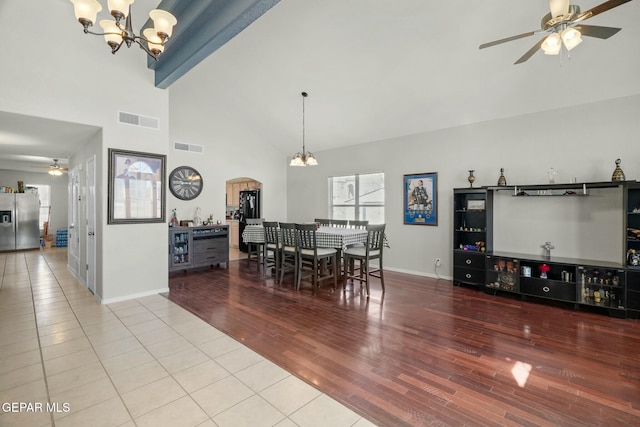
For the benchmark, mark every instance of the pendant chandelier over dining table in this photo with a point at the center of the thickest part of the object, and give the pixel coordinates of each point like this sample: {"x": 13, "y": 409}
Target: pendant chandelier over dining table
{"x": 303, "y": 158}
{"x": 115, "y": 34}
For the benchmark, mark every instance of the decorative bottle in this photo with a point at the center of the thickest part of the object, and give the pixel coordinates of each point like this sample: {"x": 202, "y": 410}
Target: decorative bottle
{"x": 618, "y": 174}
{"x": 502, "y": 181}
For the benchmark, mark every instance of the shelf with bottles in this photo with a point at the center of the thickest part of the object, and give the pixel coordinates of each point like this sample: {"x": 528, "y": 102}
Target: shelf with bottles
{"x": 601, "y": 287}
{"x": 180, "y": 244}
{"x": 180, "y": 259}
{"x": 633, "y": 225}
{"x": 548, "y": 271}
{"x": 502, "y": 274}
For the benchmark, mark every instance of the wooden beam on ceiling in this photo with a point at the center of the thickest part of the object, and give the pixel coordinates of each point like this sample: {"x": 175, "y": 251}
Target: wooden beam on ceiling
{"x": 203, "y": 27}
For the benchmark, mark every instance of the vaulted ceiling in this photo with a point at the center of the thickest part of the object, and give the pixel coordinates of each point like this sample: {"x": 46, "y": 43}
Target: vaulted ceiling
{"x": 378, "y": 69}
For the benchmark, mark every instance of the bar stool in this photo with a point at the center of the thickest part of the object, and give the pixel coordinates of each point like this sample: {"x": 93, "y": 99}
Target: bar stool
{"x": 254, "y": 250}
{"x": 289, "y": 261}
{"x": 310, "y": 257}
{"x": 272, "y": 249}
{"x": 372, "y": 250}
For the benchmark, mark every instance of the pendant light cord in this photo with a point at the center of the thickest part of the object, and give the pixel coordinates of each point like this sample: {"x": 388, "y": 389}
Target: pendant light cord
{"x": 304, "y": 150}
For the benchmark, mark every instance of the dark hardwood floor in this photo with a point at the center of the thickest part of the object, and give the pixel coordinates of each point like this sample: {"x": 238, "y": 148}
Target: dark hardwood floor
{"x": 429, "y": 353}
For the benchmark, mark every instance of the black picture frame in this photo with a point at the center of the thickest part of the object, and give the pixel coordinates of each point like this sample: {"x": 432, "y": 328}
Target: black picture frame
{"x": 136, "y": 187}
{"x": 421, "y": 198}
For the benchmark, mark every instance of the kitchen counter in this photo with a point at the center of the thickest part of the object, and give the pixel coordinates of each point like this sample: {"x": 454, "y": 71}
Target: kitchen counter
{"x": 234, "y": 233}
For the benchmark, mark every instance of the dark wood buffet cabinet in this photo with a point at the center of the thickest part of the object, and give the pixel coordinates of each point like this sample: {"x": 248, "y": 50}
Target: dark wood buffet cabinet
{"x": 613, "y": 287}
{"x": 198, "y": 247}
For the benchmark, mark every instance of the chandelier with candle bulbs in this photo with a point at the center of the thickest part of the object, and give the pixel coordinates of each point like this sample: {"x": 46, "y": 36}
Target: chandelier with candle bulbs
{"x": 304, "y": 157}
{"x": 116, "y": 34}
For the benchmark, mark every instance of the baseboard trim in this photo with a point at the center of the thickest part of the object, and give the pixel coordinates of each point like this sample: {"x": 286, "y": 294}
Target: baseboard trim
{"x": 132, "y": 296}
{"x": 418, "y": 273}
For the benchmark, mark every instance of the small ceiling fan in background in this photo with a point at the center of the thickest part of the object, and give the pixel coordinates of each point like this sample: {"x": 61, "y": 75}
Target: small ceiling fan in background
{"x": 563, "y": 27}
{"x": 55, "y": 169}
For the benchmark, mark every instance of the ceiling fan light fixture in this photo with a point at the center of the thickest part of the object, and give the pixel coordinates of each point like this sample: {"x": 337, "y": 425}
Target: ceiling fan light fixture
{"x": 571, "y": 38}
{"x": 552, "y": 44}
{"x": 559, "y": 7}
{"x": 55, "y": 172}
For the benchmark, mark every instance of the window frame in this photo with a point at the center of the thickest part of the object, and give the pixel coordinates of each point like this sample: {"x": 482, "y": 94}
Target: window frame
{"x": 357, "y": 205}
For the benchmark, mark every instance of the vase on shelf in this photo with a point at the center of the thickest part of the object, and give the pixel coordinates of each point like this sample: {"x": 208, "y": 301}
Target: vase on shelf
{"x": 502, "y": 181}
{"x": 618, "y": 174}
{"x": 471, "y": 178}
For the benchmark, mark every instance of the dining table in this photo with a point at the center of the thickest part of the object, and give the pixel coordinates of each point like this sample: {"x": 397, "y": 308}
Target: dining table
{"x": 326, "y": 237}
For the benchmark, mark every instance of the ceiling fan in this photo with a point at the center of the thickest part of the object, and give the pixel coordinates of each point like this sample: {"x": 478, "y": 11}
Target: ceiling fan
{"x": 55, "y": 169}
{"x": 562, "y": 26}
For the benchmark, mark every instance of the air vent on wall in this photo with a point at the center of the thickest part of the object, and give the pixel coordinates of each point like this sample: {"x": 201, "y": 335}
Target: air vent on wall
{"x": 138, "y": 120}
{"x": 183, "y": 146}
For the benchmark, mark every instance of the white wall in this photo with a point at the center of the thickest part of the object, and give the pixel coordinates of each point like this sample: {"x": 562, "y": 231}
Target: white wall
{"x": 80, "y": 81}
{"x": 230, "y": 151}
{"x": 590, "y": 228}
{"x": 59, "y": 189}
{"x": 581, "y": 142}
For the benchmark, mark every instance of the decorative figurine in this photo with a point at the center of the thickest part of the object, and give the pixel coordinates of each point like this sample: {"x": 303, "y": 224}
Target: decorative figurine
{"x": 547, "y": 248}
{"x": 471, "y": 178}
{"x": 618, "y": 175}
{"x": 174, "y": 219}
{"x": 502, "y": 181}
{"x": 197, "y": 218}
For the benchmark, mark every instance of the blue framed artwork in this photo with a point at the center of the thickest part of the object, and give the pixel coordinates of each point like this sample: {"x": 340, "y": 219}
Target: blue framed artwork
{"x": 421, "y": 199}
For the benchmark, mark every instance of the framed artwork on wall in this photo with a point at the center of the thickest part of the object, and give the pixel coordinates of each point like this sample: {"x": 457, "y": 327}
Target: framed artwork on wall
{"x": 136, "y": 186}
{"x": 421, "y": 199}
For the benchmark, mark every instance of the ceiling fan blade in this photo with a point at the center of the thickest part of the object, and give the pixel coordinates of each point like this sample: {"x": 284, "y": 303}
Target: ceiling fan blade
{"x": 530, "y": 52}
{"x": 597, "y": 31}
{"x": 603, "y": 7}
{"x": 508, "y": 39}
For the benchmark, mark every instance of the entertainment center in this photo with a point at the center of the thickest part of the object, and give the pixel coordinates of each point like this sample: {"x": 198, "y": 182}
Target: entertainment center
{"x": 609, "y": 233}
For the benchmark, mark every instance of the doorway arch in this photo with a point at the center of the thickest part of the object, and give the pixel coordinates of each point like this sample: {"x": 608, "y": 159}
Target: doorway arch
{"x": 233, "y": 188}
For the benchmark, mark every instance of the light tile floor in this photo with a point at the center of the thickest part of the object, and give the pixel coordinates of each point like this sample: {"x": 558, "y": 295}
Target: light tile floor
{"x": 142, "y": 362}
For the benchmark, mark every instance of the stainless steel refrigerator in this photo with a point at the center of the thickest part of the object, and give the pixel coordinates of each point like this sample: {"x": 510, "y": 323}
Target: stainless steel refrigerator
{"x": 19, "y": 225}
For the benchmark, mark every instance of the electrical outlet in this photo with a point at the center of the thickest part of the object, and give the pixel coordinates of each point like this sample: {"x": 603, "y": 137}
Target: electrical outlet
{"x": 438, "y": 262}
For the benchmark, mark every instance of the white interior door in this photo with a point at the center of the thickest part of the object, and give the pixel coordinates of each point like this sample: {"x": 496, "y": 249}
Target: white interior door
{"x": 91, "y": 224}
{"x": 74, "y": 227}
